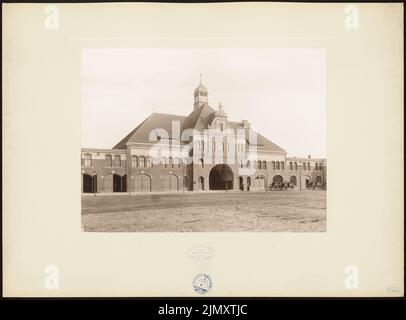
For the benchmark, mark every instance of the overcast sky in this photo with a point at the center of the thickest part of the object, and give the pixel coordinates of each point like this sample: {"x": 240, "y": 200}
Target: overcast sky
{"x": 282, "y": 92}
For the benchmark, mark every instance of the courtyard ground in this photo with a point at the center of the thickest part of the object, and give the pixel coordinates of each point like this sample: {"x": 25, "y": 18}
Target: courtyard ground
{"x": 278, "y": 211}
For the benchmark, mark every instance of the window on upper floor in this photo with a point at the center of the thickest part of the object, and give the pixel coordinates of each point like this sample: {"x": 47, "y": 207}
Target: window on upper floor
{"x": 273, "y": 165}
{"x": 304, "y": 166}
{"x": 142, "y": 162}
{"x": 149, "y": 162}
{"x": 221, "y": 126}
{"x": 283, "y": 165}
{"x": 291, "y": 165}
{"x": 87, "y": 160}
{"x": 134, "y": 161}
{"x": 308, "y": 166}
{"x": 295, "y": 165}
{"x": 316, "y": 167}
{"x": 108, "y": 160}
{"x": 117, "y": 161}
{"x": 278, "y": 165}
{"x": 259, "y": 165}
{"x": 170, "y": 162}
{"x": 264, "y": 165}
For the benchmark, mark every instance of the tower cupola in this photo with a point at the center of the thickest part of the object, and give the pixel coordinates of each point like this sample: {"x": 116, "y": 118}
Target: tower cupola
{"x": 200, "y": 95}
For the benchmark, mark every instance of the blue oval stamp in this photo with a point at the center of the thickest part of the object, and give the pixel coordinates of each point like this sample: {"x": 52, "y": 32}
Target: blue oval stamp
{"x": 202, "y": 283}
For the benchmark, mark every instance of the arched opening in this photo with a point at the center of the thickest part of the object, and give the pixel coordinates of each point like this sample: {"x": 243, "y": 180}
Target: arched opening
{"x": 293, "y": 180}
{"x": 277, "y": 179}
{"x": 221, "y": 177}
{"x": 307, "y": 180}
{"x": 260, "y": 183}
{"x": 89, "y": 183}
{"x": 142, "y": 183}
{"x": 248, "y": 183}
{"x": 201, "y": 183}
{"x": 119, "y": 183}
{"x": 170, "y": 183}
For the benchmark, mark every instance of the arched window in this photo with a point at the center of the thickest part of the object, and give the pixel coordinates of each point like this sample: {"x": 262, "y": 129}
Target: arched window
{"x": 259, "y": 165}
{"x": 117, "y": 161}
{"x": 273, "y": 165}
{"x": 304, "y": 166}
{"x": 202, "y": 163}
{"x": 134, "y": 161}
{"x": 283, "y": 165}
{"x": 109, "y": 161}
{"x": 295, "y": 165}
{"x": 308, "y": 166}
{"x": 291, "y": 165}
{"x": 321, "y": 167}
{"x": 278, "y": 166}
{"x": 87, "y": 160}
{"x": 142, "y": 162}
{"x": 149, "y": 162}
{"x": 264, "y": 165}
{"x": 316, "y": 167}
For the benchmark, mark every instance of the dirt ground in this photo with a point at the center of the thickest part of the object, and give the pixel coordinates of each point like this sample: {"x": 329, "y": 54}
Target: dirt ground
{"x": 278, "y": 211}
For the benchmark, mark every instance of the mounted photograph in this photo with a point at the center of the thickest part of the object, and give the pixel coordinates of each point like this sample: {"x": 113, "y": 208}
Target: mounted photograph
{"x": 203, "y": 140}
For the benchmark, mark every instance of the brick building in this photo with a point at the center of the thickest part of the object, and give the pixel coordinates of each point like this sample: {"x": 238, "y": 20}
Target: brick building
{"x": 201, "y": 151}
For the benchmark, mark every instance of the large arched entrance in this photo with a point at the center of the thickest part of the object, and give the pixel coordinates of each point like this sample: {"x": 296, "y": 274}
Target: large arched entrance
{"x": 221, "y": 177}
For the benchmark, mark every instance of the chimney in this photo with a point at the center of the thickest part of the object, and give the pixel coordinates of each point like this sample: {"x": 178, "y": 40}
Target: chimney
{"x": 245, "y": 124}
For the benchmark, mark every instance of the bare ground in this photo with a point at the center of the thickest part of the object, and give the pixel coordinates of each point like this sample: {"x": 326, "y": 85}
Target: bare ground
{"x": 280, "y": 211}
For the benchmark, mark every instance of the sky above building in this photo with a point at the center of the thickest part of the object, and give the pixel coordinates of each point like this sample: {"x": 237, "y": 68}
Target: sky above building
{"x": 281, "y": 92}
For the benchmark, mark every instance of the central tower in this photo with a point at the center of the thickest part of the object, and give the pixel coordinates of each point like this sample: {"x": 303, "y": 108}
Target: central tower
{"x": 200, "y": 95}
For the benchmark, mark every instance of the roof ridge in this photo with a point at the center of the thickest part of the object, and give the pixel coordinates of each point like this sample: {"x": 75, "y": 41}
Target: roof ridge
{"x": 128, "y": 136}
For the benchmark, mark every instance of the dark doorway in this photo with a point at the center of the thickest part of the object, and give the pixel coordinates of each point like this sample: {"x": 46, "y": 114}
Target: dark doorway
{"x": 241, "y": 179}
{"x": 201, "y": 183}
{"x": 119, "y": 183}
{"x": 221, "y": 178}
{"x": 277, "y": 179}
{"x": 248, "y": 183}
{"x": 89, "y": 183}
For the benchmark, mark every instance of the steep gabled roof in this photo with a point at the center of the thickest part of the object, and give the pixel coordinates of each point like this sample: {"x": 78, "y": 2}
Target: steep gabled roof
{"x": 199, "y": 119}
{"x": 154, "y": 121}
{"x": 262, "y": 142}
